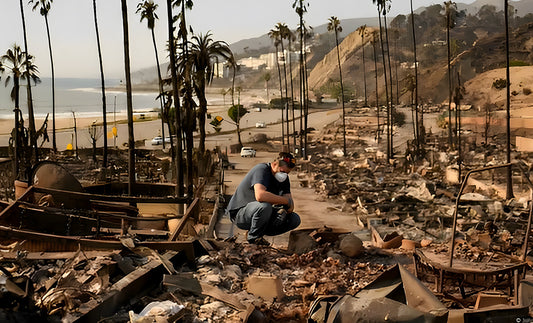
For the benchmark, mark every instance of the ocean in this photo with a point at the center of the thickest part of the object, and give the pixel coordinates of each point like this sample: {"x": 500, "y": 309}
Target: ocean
{"x": 80, "y": 95}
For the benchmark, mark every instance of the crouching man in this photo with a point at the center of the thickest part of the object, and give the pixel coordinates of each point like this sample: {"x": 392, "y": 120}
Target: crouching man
{"x": 262, "y": 203}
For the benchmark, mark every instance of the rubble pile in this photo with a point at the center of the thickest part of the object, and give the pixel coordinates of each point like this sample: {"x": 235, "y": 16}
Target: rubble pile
{"x": 52, "y": 286}
{"x": 249, "y": 273}
{"x": 416, "y": 201}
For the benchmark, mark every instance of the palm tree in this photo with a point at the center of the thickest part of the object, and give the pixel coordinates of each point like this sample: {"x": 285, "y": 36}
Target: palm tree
{"x": 362, "y": 32}
{"x": 381, "y": 6}
{"x": 203, "y": 51}
{"x": 509, "y": 193}
{"x": 301, "y": 7}
{"x": 31, "y": 114}
{"x": 450, "y": 8}
{"x": 410, "y": 86}
{"x": 102, "y": 79}
{"x": 275, "y": 35}
{"x": 129, "y": 103}
{"x": 188, "y": 102}
{"x": 19, "y": 66}
{"x": 290, "y": 37}
{"x": 266, "y": 78}
{"x": 335, "y": 26}
{"x": 147, "y": 10}
{"x": 374, "y": 41}
{"x": 419, "y": 127}
{"x": 459, "y": 91}
{"x": 234, "y": 67}
{"x": 386, "y": 7}
{"x": 282, "y": 29}
{"x": 44, "y": 8}
{"x": 175, "y": 95}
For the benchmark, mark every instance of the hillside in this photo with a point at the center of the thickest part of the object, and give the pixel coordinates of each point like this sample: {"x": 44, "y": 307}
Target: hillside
{"x": 479, "y": 47}
{"x": 263, "y": 43}
{"x": 479, "y": 90}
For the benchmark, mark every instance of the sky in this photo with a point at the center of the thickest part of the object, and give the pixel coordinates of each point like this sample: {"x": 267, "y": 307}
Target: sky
{"x": 73, "y": 34}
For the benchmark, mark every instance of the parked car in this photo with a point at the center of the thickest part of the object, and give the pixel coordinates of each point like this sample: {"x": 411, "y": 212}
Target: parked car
{"x": 157, "y": 141}
{"x": 260, "y": 124}
{"x": 247, "y": 152}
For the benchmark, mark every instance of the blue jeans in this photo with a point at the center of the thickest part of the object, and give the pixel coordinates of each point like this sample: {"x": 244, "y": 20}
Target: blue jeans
{"x": 256, "y": 218}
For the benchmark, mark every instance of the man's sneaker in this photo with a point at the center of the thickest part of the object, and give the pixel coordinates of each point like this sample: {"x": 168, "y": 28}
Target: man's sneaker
{"x": 259, "y": 242}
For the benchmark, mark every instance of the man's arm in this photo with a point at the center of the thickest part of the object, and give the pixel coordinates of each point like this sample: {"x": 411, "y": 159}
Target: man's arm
{"x": 262, "y": 195}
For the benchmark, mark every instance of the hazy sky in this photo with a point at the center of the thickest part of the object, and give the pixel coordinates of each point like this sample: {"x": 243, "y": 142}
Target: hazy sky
{"x": 74, "y": 40}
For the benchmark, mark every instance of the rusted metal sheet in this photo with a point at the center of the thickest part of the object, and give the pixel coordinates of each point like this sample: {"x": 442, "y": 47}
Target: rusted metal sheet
{"x": 395, "y": 296}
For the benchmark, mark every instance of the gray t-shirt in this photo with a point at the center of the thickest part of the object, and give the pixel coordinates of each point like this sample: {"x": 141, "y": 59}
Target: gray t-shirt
{"x": 262, "y": 174}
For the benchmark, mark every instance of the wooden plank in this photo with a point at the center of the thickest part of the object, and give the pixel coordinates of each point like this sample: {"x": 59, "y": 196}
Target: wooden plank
{"x": 55, "y": 255}
{"x": 192, "y": 285}
{"x": 190, "y": 211}
{"x": 15, "y": 204}
{"x": 72, "y": 243}
{"x": 213, "y": 220}
{"x": 136, "y": 283}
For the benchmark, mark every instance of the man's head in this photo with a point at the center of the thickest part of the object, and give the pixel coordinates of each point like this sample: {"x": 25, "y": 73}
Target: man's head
{"x": 284, "y": 162}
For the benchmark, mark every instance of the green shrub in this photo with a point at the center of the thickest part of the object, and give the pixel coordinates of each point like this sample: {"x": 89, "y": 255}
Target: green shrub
{"x": 279, "y": 103}
{"x": 526, "y": 91}
{"x": 398, "y": 118}
{"x": 499, "y": 84}
{"x": 518, "y": 63}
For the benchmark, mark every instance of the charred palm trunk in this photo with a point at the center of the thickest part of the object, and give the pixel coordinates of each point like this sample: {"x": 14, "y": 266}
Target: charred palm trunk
{"x": 342, "y": 94}
{"x": 419, "y": 134}
{"x": 281, "y": 97}
{"x": 389, "y": 152}
{"x": 31, "y": 114}
{"x": 509, "y": 194}
{"x": 292, "y": 97}
{"x": 450, "y": 139}
{"x": 54, "y": 145}
{"x": 161, "y": 96}
{"x": 201, "y": 115}
{"x": 286, "y": 105}
{"x": 306, "y": 106}
{"x": 175, "y": 91}
{"x": 189, "y": 106}
{"x": 391, "y": 124}
{"x": 104, "y": 106}
{"x": 364, "y": 68}
{"x": 16, "y": 133}
{"x": 378, "y": 135}
{"x": 129, "y": 102}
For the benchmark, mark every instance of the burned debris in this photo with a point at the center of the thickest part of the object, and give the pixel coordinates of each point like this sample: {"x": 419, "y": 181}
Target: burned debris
{"x": 85, "y": 253}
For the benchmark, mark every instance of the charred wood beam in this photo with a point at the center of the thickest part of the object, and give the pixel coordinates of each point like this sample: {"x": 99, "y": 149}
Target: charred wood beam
{"x": 112, "y": 198}
{"x": 13, "y": 255}
{"x": 191, "y": 211}
{"x": 137, "y": 283}
{"x": 90, "y": 214}
{"x": 37, "y": 241}
{"x": 525, "y": 175}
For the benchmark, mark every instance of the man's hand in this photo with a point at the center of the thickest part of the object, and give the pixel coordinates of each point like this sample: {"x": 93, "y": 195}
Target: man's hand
{"x": 290, "y": 204}
{"x": 280, "y": 217}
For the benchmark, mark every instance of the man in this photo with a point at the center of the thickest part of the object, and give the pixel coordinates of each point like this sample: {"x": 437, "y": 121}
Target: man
{"x": 262, "y": 203}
